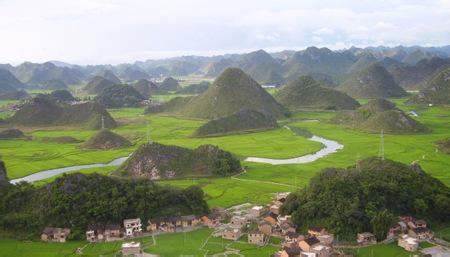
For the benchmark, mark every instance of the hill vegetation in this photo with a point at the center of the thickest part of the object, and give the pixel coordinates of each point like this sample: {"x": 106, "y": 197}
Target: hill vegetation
{"x": 145, "y": 87}
{"x": 11, "y": 133}
{"x": 169, "y": 84}
{"x": 306, "y": 92}
{"x": 109, "y": 75}
{"x": 444, "y": 145}
{"x": 61, "y": 96}
{"x": 231, "y": 92}
{"x": 14, "y": 95}
{"x": 368, "y": 197}
{"x": 55, "y": 84}
{"x": 315, "y": 60}
{"x": 156, "y": 161}
{"x": 97, "y": 84}
{"x": 437, "y": 90}
{"x": 3, "y": 176}
{"x": 373, "y": 82}
{"x": 119, "y": 95}
{"x": 417, "y": 76}
{"x": 41, "y": 111}
{"x": 40, "y": 74}
{"x": 193, "y": 89}
{"x": 245, "y": 120}
{"x": 8, "y": 83}
{"x": 377, "y": 115}
{"x": 105, "y": 140}
{"x": 77, "y": 200}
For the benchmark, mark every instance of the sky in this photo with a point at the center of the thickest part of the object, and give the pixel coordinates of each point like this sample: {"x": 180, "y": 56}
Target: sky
{"x": 113, "y": 31}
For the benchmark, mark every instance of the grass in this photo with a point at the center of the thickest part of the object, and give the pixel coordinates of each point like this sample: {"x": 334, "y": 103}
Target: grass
{"x": 189, "y": 243}
{"x": 382, "y": 250}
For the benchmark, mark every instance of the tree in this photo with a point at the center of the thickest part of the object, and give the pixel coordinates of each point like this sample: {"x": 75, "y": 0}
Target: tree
{"x": 381, "y": 223}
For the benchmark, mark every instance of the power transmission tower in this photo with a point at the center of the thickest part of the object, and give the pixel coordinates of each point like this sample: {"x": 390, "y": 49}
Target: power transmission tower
{"x": 358, "y": 165}
{"x": 381, "y": 153}
{"x": 103, "y": 122}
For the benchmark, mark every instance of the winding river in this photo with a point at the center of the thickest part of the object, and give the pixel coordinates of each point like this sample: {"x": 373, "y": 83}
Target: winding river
{"x": 330, "y": 147}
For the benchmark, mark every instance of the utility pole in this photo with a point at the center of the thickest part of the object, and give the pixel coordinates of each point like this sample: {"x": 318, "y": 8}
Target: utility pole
{"x": 103, "y": 122}
{"x": 148, "y": 131}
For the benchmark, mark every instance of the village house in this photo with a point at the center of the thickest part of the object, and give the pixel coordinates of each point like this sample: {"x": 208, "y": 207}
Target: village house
{"x": 55, "y": 235}
{"x": 394, "y": 231}
{"x": 256, "y": 237}
{"x": 288, "y": 252}
{"x": 326, "y": 239}
{"x": 319, "y": 250}
{"x": 95, "y": 233}
{"x": 292, "y": 237}
{"x": 221, "y": 212}
{"x": 272, "y": 218}
{"x": 189, "y": 221}
{"x": 265, "y": 227}
{"x": 366, "y": 238}
{"x": 275, "y": 209}
{"x": 281, "y": 196}
{"x": 420, "y": 233}
{"x": 408, "y": 243}
{"x": 131, "y": 249}
{"x": 112, "y": 232}
{"x": 284, "y": 218}
{"x": 286, "y": 227}
{"x": 133, "y": 227}
{"x": 238, "y": 221}
{"x": 256, "y": 211}
{"x": 307, "y": 244}
{"x": 231, "y": 234}
{"x": 417, "y": 224}
{"x": 317, "y": 231}
{"x": 211, "y": 220}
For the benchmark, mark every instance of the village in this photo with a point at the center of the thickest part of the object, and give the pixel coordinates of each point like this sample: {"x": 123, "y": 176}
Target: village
{"x": 259, "y": 224}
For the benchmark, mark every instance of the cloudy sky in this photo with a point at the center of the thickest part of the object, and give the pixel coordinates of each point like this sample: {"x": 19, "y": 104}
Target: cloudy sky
{"x": 113, "y": 31}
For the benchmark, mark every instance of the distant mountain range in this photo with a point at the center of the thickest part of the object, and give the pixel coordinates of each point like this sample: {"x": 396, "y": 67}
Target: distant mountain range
{"x": 323, "y": 64}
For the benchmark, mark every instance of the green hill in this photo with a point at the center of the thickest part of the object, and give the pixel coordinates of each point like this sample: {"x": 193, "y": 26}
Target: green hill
{"x": 8, "y": 83}
{"x": 215, "y": 68}
{"x": 118, "y": 95}
{"x": 97, "y": 84}
{"x": 169, "y": 84}
{"x": 145, "y": 87}
{"x": 105, "y": 140}
{"x": 157, "y": 161}
{"x": 437, "y": 90}
{"x": 195, "y": 88}
{"x": 315, "y": 60}
{"x": 62, "y": 96}
{"x": 14, "y": 95}
{"x": 40, "y": 74}
{"x": 245, "y": 120}
{"x": 109, "y": 75}
{"x": 262, "y": 67}
{"x": 364, "y": 61}
{"x": 41, "y": 111}
{"x": 444, "y": 145}
{"x": 368, "y": 197}
{"x": 11, "y": 133}
{"x": 372, "y": 82}
{"x": 377, "y": 115}
{"x": 231, "y": 92}
{"x": 417, "y": 76}
{"x": 306, "y": 92}
{"x": 55, "y": 84}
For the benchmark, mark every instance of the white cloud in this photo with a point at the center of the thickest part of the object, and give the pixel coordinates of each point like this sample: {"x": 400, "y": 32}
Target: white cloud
{"x": 102, "y": 31}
